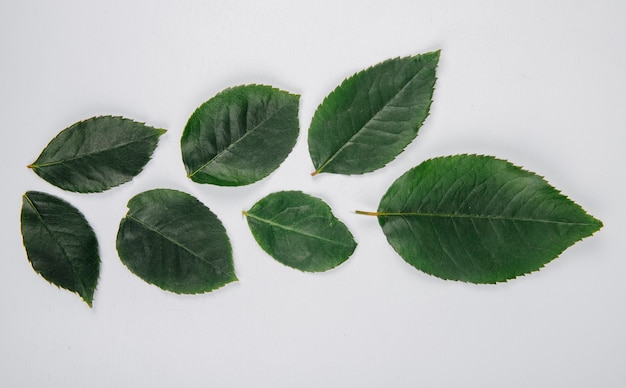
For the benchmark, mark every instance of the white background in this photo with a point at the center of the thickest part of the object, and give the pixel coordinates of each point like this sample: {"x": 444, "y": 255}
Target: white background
{"x": 540, "y": 83}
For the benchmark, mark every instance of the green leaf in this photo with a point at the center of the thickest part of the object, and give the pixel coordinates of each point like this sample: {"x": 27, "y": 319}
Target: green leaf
{"x": 372, "y": 116}
{"x": 97, "y": 154}
{"x": 300, "y": 231}
{"x": 60, "y": 243}
{"x": 170, "y": 239}
{"x": 240, "y": 136}
{"x": 479, "y": 219}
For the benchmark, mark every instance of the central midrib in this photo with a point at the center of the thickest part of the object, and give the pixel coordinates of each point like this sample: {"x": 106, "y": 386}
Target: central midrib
{"x": 88, "y": 154}
{"x": 473, "y": 216}
{"x": 156, "y": 231}
{"x": 284, "y": 227}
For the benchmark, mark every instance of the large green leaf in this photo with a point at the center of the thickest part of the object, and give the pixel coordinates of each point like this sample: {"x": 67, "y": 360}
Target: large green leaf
{"x": 97, "y": 154}
{"x": 479, "y": 219}
{"x": 372, "y": 116}
{"x": 170, "y": 239}
{"x": 300, "y": 231}
{"x": 240, "y": 136}
{"x": 60, "y": 243}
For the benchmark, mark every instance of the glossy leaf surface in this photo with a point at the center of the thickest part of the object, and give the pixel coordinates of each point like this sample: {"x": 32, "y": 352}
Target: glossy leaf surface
{"x": 372, "y": 116}
{"x": 96, "y": 154}
{"x": 479, "y": 219}
{"x": 170, "y": 239}
{"x": 60, "y": 244}
{"x": 300, "y": 231}
{"x": 240, "y": 136}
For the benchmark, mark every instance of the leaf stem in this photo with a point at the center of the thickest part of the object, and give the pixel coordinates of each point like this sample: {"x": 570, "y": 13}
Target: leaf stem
{"x": 364, "y": 213}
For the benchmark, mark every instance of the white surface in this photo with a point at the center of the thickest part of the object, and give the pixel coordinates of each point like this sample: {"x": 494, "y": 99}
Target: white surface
{"x": 541, "y": 83}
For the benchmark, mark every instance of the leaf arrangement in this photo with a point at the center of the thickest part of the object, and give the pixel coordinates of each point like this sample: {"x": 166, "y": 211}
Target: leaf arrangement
{"x": 470, "y": 218}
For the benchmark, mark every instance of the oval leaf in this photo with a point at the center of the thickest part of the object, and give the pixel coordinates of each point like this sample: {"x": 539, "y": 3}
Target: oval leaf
{"x": 240, "y": 136}
{"x": 97, "y": 154}
{"x": 372, "y": 116}
{"x": 170, "y": 239}
{"x": 300, "y": 231}
{"x": 479, "y": 219}
{"x": 60, "y": 244}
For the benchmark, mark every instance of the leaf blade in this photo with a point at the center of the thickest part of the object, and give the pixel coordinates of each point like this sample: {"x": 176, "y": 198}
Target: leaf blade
{"x": 171, "y": 240}
{"x": 97, "y": 154}
{"x": 240, "y": 136}
{"x": 60, "y": 244}
{"x": 373, "y": 115}
{"x": 300, "y": 231}
{"x": 479, "y": 219}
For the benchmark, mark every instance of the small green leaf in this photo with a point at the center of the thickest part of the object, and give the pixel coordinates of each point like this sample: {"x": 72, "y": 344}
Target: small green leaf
{"x": 60, "y": 243}
{"x": 170, "y": 239}
{"x": 372, "y": 116}
{"x": 300, "y": 231}
{"x": 479, "y": 219}
{"x": 240, "y": 136}
{"x": 97, "y": 154}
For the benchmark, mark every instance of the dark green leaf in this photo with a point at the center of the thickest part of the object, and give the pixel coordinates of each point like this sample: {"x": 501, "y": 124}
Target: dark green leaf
{"x": 300, "y": 231}
{"x": 97, "y": 154}
{"x": 170, "y": 239}
{"x": 372, "y": 116}
{"x": 479, "y": 219}
{"x": 240, "y": 136}
{"x": 60, "y": 243}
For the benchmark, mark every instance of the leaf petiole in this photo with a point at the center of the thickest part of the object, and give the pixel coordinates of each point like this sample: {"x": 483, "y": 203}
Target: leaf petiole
{"x": 364, "y": 213}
